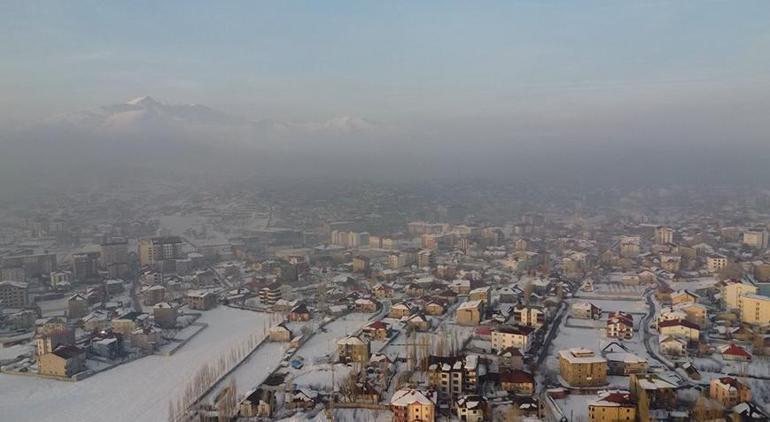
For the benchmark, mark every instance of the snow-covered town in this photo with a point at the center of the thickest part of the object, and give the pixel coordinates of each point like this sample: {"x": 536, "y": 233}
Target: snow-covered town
{"x": 234, "y": 313}
{"x": 375, "y": 211}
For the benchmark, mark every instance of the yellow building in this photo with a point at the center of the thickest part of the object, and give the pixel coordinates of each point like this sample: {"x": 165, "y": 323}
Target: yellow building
{"x": 581, "y": 367}
{"x": 732, "y": 292}
{"x": 505, "y": 337}
{"x": 729, "y": 391}
{"x": 157, "y": 249}
{"x": 481, "y": 294}
{"x": 755, "y": 309}
{"x": 469, "y": 313}
{"x": 65, "y": 361}
{"x": 680, "y": 329}
{"x": 410, "y": 405}
{"x": 612, "y": 406}
{"x": 353, "y": 349}
{"x": 695, "y": 313}
{"x": 651, "y": 393}
{"x": 683, "y": 296}
{"x": 716, "y": 263}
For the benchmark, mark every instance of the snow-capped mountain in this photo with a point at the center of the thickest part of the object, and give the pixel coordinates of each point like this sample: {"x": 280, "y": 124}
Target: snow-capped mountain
{"x": 147, "y": 117}
{"x": 145, "y": 113}
{"x": 348, "y": 124}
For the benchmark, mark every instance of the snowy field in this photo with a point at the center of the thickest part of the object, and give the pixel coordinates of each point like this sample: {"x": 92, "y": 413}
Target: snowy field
{"x": 631, "y": 306}
{"x": 56, "y": 307}
{"x": 137, "y": 391}
{"x": 693, "y": 284}
{"x": 575, "y": 406}
{"x": 324, "y": 340}
{"x": 595, "y": 339}
{"x": 254, "y": 370}
{"x": 612, "y": 289}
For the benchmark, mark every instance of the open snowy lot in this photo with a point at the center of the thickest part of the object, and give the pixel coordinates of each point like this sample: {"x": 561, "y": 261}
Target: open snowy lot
{"x": 324, "y": 341}
{"x": 591, "y": 334}
{"x": 253, "y": 371}
{"x": 137, "y": 391}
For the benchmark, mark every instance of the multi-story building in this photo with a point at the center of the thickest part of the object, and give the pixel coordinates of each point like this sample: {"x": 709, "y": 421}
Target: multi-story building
{"x": 201, "y": 300}
{"x": 755, "y": 309}
{"x": 531, "y": 316}
{"x": 517, "y": 382}
{"x": 732, "y": 290}
{"x": 620, "y": 325}
{"x": 716, "y": 263}
{"x": 630, "y": 246}
{"x": 695, "y": 313}
{"x": 353, "y": 349}
{"x": 46, "y": 341}
{"x": 664, "y": 235}
{"x": 581, "y": 367}
{"x": 612, "y": 406}
{"x": 164, "y": 315}
{"x": 755, "y": 238}
{"x": 729, "y": 391}
{"x": 505, "y": 337}
{"x": 64, "y": 361}
{"x": 59, "y": 278}
{"x": 85, "y": 266}
{"x": 680, "y": 328}
{"x": 269, "y": 295}
{"x": 453, "y": 376}
{"x": 471, "y": 408}
{"x": 426, "y": 258}
{"x": 410, "y": 405}
{"x": 114, "y": 257}
{"x": 158, "y": 249}
{"x": 469, "y": 313}
{"x": 13, "y": 294}
{"x": 13, "y": 273}
{"x": 360, "y": 264}
{"x": 34, "y": 265}
{"x": 651, "y": 393}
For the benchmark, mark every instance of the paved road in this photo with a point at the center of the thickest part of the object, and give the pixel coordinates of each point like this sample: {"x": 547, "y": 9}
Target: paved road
{"x": 646, "y": 335}
{"x": 554, "y": 328}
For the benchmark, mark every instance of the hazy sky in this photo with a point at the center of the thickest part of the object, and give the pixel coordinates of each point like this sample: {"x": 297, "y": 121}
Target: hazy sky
{"x": 383, "y": 60}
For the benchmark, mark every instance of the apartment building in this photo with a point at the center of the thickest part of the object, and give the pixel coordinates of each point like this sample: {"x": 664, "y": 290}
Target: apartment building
{"x": 581, "y": 367}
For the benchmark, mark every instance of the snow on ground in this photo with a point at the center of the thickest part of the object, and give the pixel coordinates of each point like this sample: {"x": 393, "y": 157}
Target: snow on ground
{"x": 693, "y": 284}
{"x": 445, "y": 333}
{"x": 319, "y": 377}
{"x": 575, "y": 406}
{"x": 362, "y": 415}
{"x": 615, "y": 289}
{"x": 254, "y": 370}
{"x": 137, "y": 391}
{"x": 9, "y": 353}
{"x": 324, "y": 340}
{"x": 55, "y": 307}
{"x": 572, "y": 333}
{"x": 632, "y": 306}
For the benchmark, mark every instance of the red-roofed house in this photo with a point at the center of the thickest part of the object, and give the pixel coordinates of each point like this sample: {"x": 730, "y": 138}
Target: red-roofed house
{"x": 734, "y": 352}
{"x": 377, "y": 330}
{"x": 620, "y": 325}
